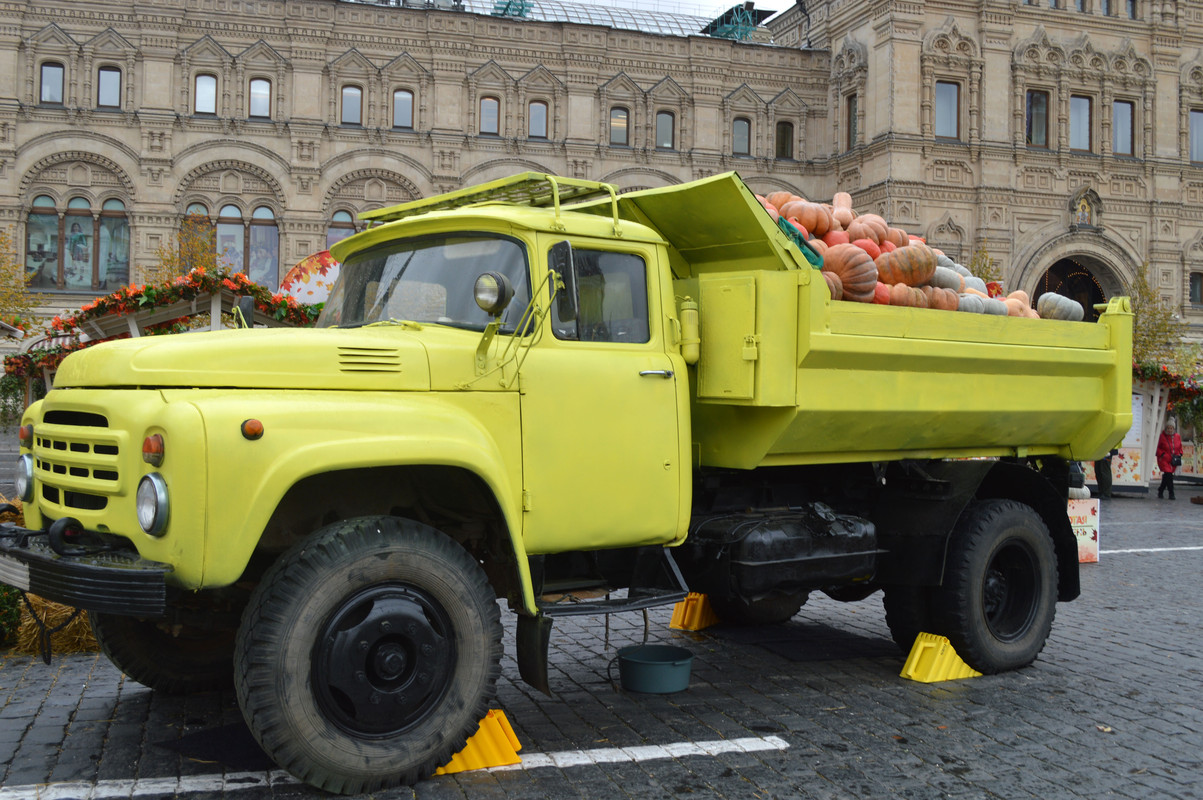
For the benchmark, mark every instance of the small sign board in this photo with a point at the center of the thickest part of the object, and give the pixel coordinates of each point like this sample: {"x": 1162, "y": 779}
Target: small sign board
{"x": 1084, "y": 517}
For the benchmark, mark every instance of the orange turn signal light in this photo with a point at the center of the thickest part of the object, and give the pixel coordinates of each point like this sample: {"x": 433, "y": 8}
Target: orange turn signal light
{"x": 152, "y": 449}
{"x": 25, "y": 435}
{"x": 252, "y": 429}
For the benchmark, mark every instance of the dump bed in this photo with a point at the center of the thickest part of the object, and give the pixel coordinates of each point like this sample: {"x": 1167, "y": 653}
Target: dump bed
{"x": 788, "y": 376}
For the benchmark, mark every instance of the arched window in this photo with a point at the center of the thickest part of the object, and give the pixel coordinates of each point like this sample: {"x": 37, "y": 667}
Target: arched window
{"x": 42, "y": 244}
{"x": 77, "y": 253}
{"x": 264, "y": 248}
{"x": 205, "y": 99}
{"x": 352, "y": 110}
{"x": 260, "y": 99}
{"x": 51, "y": 91}
{"x": 342, "y": 225}
{"x": 490, "y": 116}
{"x": 665, "y": 130}
{"x": 741, "y": 137}
{"x": 403, "y": 109}
{"x": 62, "y": 252}
{"x": 619, "y": 119}
{"x": 231, "y": 238}
{"x": 113, "y": 262}
{"x": 536, "y": 120}
{"x": 108, "y": 87}
{"x": 785, "y": 140}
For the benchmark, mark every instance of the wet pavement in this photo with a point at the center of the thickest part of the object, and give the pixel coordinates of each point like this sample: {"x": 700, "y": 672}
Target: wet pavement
{"x": 814, "y": 708}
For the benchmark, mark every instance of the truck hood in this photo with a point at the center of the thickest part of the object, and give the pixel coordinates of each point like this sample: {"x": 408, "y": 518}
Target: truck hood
{"x": 271, "y": 358}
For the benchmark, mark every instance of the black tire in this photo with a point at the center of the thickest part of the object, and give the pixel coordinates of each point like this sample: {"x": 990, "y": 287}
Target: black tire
{"x": 171, "y": 659}
{"x": 909, "y": 612}
{"x": 368, "y": 654}
{"x": 772, "y": 610}
{"x": 1000, "y": 586}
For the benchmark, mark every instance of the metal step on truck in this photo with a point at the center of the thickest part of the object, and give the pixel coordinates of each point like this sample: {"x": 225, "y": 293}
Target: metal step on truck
{"x": 541, "y": 391}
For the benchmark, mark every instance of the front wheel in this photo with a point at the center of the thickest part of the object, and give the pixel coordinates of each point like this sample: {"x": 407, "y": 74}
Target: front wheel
{"x": 1000, "y": 586}
{"x": 368, "y": 655}
{"x": 169, "y": 658}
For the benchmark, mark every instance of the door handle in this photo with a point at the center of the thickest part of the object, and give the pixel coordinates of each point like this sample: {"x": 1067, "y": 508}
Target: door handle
{"x": 663, "y": 373}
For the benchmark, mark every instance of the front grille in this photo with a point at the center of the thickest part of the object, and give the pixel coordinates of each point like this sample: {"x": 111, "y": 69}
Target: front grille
{"x": 77, "y": 459}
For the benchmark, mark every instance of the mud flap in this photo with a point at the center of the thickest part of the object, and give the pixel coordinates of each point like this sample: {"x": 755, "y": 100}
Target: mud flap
{"x": 533, "y": 636}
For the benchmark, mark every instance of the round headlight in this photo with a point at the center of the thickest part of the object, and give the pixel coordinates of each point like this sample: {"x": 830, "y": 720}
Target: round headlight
{"x": 24, "y": 478}
{"x": 493, "y": 292}
{"x": 152, "y": 504}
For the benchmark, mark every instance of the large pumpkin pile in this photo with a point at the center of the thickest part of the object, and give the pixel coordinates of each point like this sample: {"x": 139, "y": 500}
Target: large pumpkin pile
{"x": 865, "y": 260}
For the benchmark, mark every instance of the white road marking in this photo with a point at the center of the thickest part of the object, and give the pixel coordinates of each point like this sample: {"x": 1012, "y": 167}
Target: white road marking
{"x": 186, "y": 784}
{"x": 1148, "y": 550}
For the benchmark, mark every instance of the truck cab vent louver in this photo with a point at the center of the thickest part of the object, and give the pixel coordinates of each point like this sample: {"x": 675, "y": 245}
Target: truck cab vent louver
{"x": 368, "y": 359}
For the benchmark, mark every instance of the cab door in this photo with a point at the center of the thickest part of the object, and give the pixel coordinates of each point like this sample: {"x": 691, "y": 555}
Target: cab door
{"x": 602, "y": 401}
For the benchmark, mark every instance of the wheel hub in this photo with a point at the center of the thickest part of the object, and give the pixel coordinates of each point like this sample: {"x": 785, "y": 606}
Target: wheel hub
{"x": 1011, "y": 591}
{"x": 383, "y": 660}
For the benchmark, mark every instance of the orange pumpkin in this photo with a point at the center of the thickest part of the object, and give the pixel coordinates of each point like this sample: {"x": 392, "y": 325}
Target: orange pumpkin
{"x": 834, "y": 285}
{"x": 913, "y": 265}
{"x": 769, "y": 207}
{"x": 843, "y": 216}
{"x": 943, "y": 299}
{"x": 781, "y": 198}
{"x": 835, "y": 237}
{"x": 818, "y": 245}
{"x": 869, "y": 246}
{"x": 903, "y": 295}
{"x": 897, "y": 236}
{"x": 855, "y": 269}
{"x": 798, "y": 227}
{"x": 881, "y": 294}
{"x": 1021, "y": 296}
{"x": 888, "y": 247}
{"x": 813, "y": 216}
{"x": 842, "y": 200}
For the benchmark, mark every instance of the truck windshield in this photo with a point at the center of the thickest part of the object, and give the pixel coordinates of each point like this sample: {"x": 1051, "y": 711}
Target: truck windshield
{"x": 427, "y": 279}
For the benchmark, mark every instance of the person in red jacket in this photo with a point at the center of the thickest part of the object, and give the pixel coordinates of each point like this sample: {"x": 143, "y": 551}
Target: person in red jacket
{"x": 1169, "y": 457}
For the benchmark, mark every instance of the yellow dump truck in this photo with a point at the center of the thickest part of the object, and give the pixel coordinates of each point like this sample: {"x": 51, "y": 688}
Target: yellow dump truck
{"x": 580, "y": 402}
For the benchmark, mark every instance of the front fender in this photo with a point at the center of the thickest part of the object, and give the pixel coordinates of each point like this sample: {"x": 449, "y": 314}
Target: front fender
{"x": 312, "y": 433}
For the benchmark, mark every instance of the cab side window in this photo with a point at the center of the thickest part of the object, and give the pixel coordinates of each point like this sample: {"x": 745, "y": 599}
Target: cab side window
{"x": 612, "y": 289}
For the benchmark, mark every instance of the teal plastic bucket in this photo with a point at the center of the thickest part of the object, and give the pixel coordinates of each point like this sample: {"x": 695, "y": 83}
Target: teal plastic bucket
{"x": 654, "y": 668}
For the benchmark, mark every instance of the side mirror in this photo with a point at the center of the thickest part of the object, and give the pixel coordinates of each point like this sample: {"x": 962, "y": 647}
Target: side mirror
{"x": 560, "y": 261}
{"x": 244, "y": 312}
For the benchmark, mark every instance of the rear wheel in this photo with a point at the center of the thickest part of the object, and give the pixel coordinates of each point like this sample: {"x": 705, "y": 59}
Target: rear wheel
{"x": 369, "y": 654}
{"x": 771, "y": 610}
{"x": 909, "y": 613}
{"x": 172, "y": 659}
{"x": 1000, "y": 586}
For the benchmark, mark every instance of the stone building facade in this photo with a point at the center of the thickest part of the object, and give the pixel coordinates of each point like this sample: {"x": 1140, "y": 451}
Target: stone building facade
{"x": 1063, "y": 136}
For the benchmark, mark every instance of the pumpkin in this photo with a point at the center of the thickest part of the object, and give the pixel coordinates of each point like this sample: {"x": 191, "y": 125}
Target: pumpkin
{"x": 855, "y": 270}
{"x": 868, "y": 226}
{"x": 943, "y": 299}
{"x": 1051, "y": 305}
{"x": 813, "y": 216}
{"x": 903, "y": 295}
{"x": 843, "y": 216}
{"x": 995, "y": 306}
{"x": 881, "y": 294}
{"x": 841, "y": 200}
{"x": 818, "y": 245}
{"x": 943, "y": 260}
{"x": 834, "y": 285}
{"x": 973, "y": 303}
{"x": 912, "y": 265}
{"x": 869, "y": 246}
{"x": 888, "y": 247}
{"x": 1015, "y": 307}
{"x": 835, "y": 237}
{"x": 973, "y": 281}
{"x": 798, "y": 227}
{"x": 948, "y": 279}
{"x": 1021, "y": 296}
{"x": 974, "y": 290}
{"x": 772, "y": 209}
{"x": 897, "y": 236}
{"x": 779, "y": 199}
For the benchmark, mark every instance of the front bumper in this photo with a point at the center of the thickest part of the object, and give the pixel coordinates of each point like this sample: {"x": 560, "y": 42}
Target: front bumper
{"x": 105, "y": 581}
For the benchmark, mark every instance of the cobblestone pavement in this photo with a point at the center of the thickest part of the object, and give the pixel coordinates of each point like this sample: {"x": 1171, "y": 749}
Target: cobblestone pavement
{"x": 811, "y": 709}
